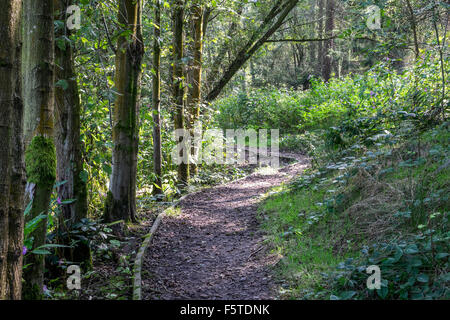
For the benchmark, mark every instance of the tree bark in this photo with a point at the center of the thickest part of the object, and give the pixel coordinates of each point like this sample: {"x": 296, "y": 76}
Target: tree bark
{"x": 18, "y": 181}
{"x": 178, "y": 84}
{"x": 7, "y": 82}
{"x": 329, "y": 26}
{"x": 157, "y": 153}
{"x": 38, "y": 94}
{"x": 320, "y": 59}
{"x": 121, "y": 200}
{"x": 68, "y": 143}
{"x": 11, "y": 153}
{"x": 441, "y": 58}
{"x": 16, "y": 201}
{"x": 312, "y": 45}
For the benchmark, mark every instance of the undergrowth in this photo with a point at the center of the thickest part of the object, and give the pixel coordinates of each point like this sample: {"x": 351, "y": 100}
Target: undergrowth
{"x": 376, "y": 194}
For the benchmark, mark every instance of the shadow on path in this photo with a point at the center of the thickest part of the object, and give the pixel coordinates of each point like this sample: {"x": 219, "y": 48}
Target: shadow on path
{"x": 214, "y": 248}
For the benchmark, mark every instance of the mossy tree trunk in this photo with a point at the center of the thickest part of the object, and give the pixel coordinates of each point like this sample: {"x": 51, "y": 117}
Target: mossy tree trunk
{"x": 11, "y": 153}
{"x": 178, "y": 83}
{"x": 121, "y": 200}
{"x": 68, "y": 143}
{"x": 40, "y": 157}
{"x": 157, "y": 153}
{"x": 195, "y": 88}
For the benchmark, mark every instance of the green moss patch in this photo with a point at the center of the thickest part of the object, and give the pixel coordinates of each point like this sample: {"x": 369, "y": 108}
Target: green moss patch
{"x": 40, "y": 160}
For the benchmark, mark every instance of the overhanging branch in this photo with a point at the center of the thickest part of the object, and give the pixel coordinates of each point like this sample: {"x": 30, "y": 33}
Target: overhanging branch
{"x": 251, "y": 47}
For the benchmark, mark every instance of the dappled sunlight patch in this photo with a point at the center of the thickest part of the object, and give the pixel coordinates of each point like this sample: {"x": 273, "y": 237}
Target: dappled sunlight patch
{"x": 266, "y": 171}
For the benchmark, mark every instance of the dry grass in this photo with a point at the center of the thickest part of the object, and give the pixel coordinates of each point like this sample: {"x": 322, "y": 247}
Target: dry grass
{"x": 372, "y": 215}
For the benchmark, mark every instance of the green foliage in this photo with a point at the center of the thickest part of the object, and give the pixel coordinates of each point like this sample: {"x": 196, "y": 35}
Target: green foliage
{"x": 415, "y": 268}
{"x": 377, "y": 194}
{"x": 356, "y": 106}
{"x": 40, "y": 159}
{"x": 362, "y": 131}
{"x": 336, "y": 208}
{"x": 274, "y": 108}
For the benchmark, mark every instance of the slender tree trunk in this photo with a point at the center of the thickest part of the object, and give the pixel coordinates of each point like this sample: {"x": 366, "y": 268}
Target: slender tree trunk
{"x": 40, "y": 157}
{"x": 68, "y": 143}
{"x": 121, "y": 200}
{"x": 18, "y": 181}
{"x": 319, "y": 64}
{"x": 313, "y": 44}
{"x": 337, "y": 67}
{"x": 253, "y": 73}
{"x": 412, "y": 21}
{"x": 345, "y": 66}
{"x": 441, "y": 57}
{"x": 244, "y": 79}
{"x": 16, "y": 200}
{"x": 329, "y": 26}
{"x": 11, "y": 153}
{"x": 196, "y": 80}
{"x": 157, "y": 153}
{"x": 178, "y": 84}
{"x": 7, "y": 60}
{"x": 294, "y": 57}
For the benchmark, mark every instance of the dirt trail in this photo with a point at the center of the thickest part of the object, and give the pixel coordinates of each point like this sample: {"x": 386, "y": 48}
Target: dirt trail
{"x": 214, "y": 248}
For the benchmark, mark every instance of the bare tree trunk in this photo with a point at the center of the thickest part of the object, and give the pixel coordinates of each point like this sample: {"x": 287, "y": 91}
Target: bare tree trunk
{"x": 312, "y": 44}
{"x": 39, "y": 96}
{"x": 178, "y": 84}
{"x": 412, "y": 21}
{"x": 346, "y": 61}
{"x": 329, "y": 26}
{"x": 7, "y": 60}
{"x": 320, "y": 57}
{"x": 121, "y": 200}
{"x": 68, "y": 143}
{"x": 11, "y": 153}
{"x": 157, "y": 153}
{"x": 16, "y": 200}
{"x": 441, "y": 56}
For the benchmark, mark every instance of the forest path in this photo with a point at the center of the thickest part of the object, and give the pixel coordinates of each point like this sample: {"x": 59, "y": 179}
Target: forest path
{"x": 213, "y": 249}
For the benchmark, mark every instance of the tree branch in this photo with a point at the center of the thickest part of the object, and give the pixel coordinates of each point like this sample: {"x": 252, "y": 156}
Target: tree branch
{"x": 251, "y": 47}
